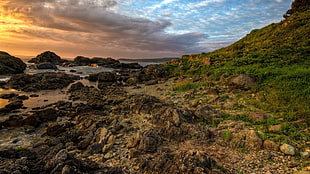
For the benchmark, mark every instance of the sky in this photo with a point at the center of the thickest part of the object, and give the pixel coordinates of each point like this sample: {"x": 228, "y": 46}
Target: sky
{"x": 130, "y": 28}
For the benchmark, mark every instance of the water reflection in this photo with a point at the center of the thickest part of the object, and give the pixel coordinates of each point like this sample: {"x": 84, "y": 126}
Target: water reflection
{"x": 3, "y": 102}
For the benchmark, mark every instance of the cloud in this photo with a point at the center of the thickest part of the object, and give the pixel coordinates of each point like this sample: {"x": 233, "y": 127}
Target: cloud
{"x": 133, "y": 27}
{"x": 91, "y": 22}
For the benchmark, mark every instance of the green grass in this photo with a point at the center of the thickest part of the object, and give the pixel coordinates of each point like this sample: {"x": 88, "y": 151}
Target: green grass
{"x": 185, "y": 85}
{"x": 20, "y": 148}
{"x": 227, "y": 135}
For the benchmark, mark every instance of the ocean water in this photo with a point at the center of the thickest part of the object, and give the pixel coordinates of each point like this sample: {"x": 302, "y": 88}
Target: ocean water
{"x": 82, "y": 71}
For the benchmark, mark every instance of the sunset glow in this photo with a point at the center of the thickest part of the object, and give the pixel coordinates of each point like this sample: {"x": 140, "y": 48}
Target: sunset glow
{"x": 131, "y": 28}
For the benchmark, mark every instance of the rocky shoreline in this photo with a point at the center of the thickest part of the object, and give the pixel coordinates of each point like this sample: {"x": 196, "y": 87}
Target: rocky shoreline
{"x": 132, "y": 121}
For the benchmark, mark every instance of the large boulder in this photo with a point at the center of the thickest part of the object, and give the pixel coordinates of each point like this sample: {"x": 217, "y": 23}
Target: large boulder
{"x": 82, "y": 61}
{"x": 108, "y": 62}
{"x": 46, "y": 56}
{"x": 47, "y": 65}
{"x": 10, "y": 64}
{"x": 244, "y": 81}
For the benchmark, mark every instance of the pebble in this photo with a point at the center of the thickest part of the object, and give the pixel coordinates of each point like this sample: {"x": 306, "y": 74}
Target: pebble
{"x": 287, "y": 149}
{"x": 304, "y": 154}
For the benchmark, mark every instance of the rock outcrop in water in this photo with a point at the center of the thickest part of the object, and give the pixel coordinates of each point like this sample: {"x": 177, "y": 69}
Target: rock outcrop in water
{"x": 43, "y": 81}
{"x": 46, "y": 56}
{"x": 10, "y": 64}
{"x": 105, "y": 62}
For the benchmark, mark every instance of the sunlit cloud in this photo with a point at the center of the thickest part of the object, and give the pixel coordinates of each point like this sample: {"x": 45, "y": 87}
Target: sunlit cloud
{"x": 131, "y": 28}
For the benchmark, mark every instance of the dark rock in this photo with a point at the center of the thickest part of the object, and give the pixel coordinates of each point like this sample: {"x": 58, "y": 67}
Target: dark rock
{"x": 132, "y": 81}
{"x": 243, "y": 81}
{"x": 10, "y": 64}
{"x": 180, "y": 162}
{"x": 107, "y": 77}
{"x": 131, "y": 66}
{"x": 34, "y": 95}
{"x": 13, "y": 121}
{"x": 46, "y": 56}
{"x": 155, "y": 71}
{"x": 106, "y": 62}
{"x": 151, "y": 82}
{"x": 54, "y": 130}
{"x": 82, "y": 61}
{"x": 8, "y": 96}
{"x": 12, "y": 106}
{"x": 32, "y": 121}
{"x": 23, "y": 97}
{"x": 85, "y": 141}
{"x": 47, "y": 65}
{"x": 207, "y": 113}
{"x": 59, "y": 158}
{"x": 76, "y": 86}
{"x": 147, "y": 141}
{"x": 47, "y": 114}
{"x": 43, "y": 81}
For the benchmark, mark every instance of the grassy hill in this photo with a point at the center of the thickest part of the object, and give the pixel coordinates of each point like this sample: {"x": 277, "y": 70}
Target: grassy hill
{"x": 278, "y": 54}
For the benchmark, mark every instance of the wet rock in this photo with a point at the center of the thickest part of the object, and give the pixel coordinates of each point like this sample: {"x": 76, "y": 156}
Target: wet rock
{"x": 243, "y": 81}
{"x": 287, "y": 149}
{"x": 46, "y": 65}
{"x": 82, "y": 61}
{"x": 43, "y": 81}
{"x": 13, "y": 121}
{"x": 106, "y": 62}
{"x": 34, "y": 95}
{"x": 8, "y": 96}
{"x": 76, "y": 86}
{"x": 46, "y": 56}
{"x": 46, "y": 114}
{"x": 32, "y": 121}
{"x": 11, "y": 107}
{"x": 23, "y": 97}
{"x": 130, "y": 66}
{"x": 54, "y": 129}
{"x": 10, "y": 64}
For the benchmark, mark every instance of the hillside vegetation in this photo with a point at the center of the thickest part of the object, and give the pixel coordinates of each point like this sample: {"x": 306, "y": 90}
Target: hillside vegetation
{"x": 278, "y": 55}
